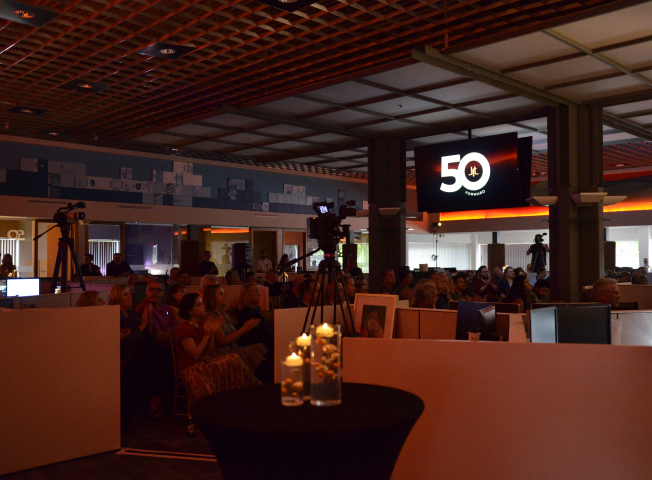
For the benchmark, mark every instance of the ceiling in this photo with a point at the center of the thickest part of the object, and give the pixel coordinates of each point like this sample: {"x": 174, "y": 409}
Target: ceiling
{"x": 307, "y": 90}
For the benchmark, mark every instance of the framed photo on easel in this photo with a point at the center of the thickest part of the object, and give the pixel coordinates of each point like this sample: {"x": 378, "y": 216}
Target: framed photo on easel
{"x": 374, "y": 315}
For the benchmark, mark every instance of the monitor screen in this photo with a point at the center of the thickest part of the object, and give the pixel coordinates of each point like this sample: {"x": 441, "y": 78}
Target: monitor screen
{"x": 22, "y": 287}
{"x": 487, "y": 323}
{"x": 467, "y": 318}
{"x": 581, "y": 323}
{"x": 476, "y": 174}
{"x": 323, "y": 209}
{"x": 543, "y": 325}
{"x": 3, "y": 287}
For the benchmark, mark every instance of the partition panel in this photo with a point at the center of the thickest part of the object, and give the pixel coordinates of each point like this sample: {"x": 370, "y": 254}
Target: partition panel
{"x": 505, "y": 411}
{"x": 60, "y": 380}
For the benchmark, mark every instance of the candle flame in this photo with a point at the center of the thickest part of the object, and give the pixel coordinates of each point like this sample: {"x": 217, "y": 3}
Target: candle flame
{"x": 304, "y": 336}
{"x": 325, "y": 325}
{"x": 293, "y": 356}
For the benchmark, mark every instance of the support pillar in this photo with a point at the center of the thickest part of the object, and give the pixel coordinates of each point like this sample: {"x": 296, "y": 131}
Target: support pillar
{"x": 387, "y": 241}
{"x": 575, "y": 166}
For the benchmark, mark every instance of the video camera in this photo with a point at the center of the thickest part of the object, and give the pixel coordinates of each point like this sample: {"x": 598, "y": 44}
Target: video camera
{"x": 327, "y": 227}
{"x": 538, "y": 238}
{"x": 65, "y": 215}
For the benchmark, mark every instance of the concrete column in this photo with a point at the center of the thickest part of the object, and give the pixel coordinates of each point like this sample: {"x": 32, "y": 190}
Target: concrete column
{"x": 387, "y": 241}
{"x": 574, "y": 166}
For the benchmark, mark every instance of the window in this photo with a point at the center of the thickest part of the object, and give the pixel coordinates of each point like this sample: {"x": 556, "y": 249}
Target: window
{"x": 627, "y": 254}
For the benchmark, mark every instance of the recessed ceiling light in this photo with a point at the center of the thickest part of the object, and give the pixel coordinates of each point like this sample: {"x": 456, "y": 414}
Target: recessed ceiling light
{"x": 82, "y": 85}
{"x": 23, "y": 14}
{"x": 26, "y": 110}
{"x": 287, "y": 1}
{"x": 27, "y": 14}
{"x": 166, "y": 50}
{"x": 621, "y": 164}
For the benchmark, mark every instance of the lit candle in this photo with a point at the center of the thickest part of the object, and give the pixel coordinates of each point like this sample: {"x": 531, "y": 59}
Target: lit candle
{"x": 303, "y": 341}
{"x": 325, "y": 330}
{"x": 294, "y": 360}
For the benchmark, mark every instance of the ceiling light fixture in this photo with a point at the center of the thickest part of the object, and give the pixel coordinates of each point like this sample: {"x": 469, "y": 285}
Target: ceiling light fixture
{"x": 26, "y": 110}
{"x": 84, "y": 85}
{"x": 23, "y": 14}
{"x": 620, "y": 164}
{"x": 54, "y": 134}
{"x": 27, "y": 14}
{"x": 167, "y": 51}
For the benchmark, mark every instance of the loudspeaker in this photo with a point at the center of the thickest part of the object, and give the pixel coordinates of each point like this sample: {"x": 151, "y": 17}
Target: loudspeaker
{"x": 241, "y": 255}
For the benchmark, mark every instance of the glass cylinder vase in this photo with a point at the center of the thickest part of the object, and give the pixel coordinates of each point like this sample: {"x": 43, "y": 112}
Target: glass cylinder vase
{"x": 302, "y": 347}
{"x": 325, "y": 365}
{"x": 292, "y": 380}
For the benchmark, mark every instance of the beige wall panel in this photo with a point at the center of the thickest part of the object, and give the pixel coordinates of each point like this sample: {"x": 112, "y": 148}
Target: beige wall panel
{"x": 438, "y": 324}
{"x": 407, "y": 323}
{"x": 504, "y": 411}
{"x": 60, "y": 380}
{"x": 636, "y": 293}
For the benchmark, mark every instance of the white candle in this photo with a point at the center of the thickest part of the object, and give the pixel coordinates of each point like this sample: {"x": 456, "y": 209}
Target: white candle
{"x": 303, "y": 340}
{"x": 325, "y": 330}
{"x": 294, "y": 360}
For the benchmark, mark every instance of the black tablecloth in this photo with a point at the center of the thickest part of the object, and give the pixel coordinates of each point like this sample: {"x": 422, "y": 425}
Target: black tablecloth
{"x": 253, "y": 436}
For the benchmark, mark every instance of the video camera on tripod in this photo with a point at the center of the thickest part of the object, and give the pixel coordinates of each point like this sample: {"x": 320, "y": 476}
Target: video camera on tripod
{"x": 65, "y": 215}
{"x": 538, "y": 238}
{"x": 327, "y": 227}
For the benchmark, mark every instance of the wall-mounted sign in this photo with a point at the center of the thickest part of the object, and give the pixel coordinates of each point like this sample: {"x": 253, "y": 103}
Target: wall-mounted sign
{"x": 475, "y": 174}
{"x": 15, "y": 235}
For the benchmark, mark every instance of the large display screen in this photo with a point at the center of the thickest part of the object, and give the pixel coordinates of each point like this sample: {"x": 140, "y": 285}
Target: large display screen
{"x": 476, "y": 174}
{"x": 22, "y": 287}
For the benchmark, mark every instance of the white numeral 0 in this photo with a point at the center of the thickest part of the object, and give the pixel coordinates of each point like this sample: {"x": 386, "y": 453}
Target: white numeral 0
{"x": 458, "y": 173}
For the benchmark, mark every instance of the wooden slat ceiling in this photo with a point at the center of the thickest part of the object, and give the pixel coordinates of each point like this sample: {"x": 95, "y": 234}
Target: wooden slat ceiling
{"x": 244, "y": 52}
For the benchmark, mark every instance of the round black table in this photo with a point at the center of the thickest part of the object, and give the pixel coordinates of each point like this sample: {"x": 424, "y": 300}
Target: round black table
{"x": 253, "y": 436}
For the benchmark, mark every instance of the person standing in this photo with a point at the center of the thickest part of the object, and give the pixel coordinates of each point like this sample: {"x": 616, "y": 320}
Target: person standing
{"x": 206, "y": 267}
{"x": 263, "y": 265}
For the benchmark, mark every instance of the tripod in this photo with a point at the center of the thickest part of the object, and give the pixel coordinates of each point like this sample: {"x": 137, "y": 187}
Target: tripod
{"x": 329, "y": 269}
{"x": 65, "y": 243}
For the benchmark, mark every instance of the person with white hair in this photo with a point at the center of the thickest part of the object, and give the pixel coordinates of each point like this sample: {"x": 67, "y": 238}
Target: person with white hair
{"x": 605, "y": 290}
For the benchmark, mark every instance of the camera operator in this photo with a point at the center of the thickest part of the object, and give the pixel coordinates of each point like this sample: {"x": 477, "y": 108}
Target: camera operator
{"x": 538, "y": 251}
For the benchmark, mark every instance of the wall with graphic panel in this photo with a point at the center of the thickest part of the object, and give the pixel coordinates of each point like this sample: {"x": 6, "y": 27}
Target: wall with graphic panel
{"x": 32, "y": 170}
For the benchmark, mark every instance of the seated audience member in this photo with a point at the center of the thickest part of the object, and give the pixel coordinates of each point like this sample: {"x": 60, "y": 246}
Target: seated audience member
{"x": 624, "y": 277}
{"x": 506, "y": 284}
{"x": 285, "y": 259}
{"x": 586, "y": 294}
{"x": 485, "y": 286}
{"x": 159, "y": 315}
{"x": 263, "y": 333}
{"x": 275, "y": 288}
{"x": 202, "y": 374}
{"x": 172, "y": 278}
{"x": 470, "y": 280}
{"x": 459, "y": 287}
{"x": 389, "y": 279}
{"x": 405, "y": 289}
{"x": 330, "y": 293}
{"x": 542, "y": 290}
{"x": 250, "y": 277}
{"x": 306, "y": 297}
{"x": 88, "y": 268}
{"x": 206, "y": 281}
{"x": 643, "y": 280}
{"x": 425, "y": 295}
{"x": 293, "y": 297}
{"x": 356, "y": 272}
{"x": 443, "y": 291}
{"x": 118, "y": 267}
{"x": 206, "y": 267}
{"x": 349, "y": 288}
{"x": 360, "y": 284}
{"x": 183, "y": 278}
{"x": 90, "y": 298}
{"x": 147, "y": 278}
{"x": 132, "y": 280}
{"x": 136, "y": 351}
{"x": 227, "y": 335}
{"x": 521, "y": 293}
{"x": 7, "y": 267}
{"x": 520, "y": 272}
{"x": 172, "y": 299}
{"x": 541, "y": 274}
{"x": 233, "y": 278}
{"x": 497, "y": 275}
{"x": 635, "y": 276}
{"x": 605, "y": 290}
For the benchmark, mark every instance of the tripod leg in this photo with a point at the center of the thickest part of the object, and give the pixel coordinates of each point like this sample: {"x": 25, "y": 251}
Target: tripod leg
{"x": 312, "y": 297}
{"x": 55, "y": 275}
{"x": 348, "y": 308}
{"x": 63, "y": 248}
{"x": 73, "y": 255}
